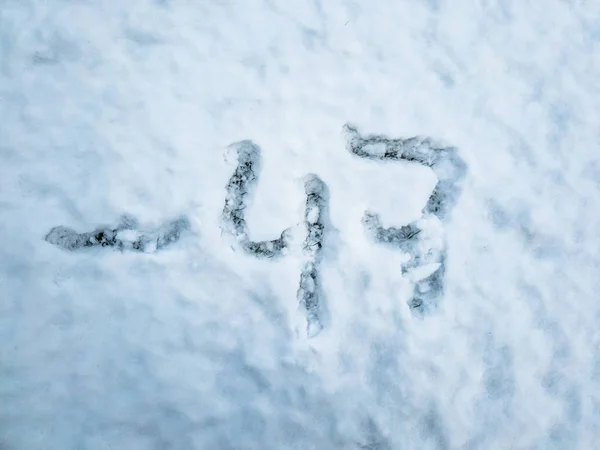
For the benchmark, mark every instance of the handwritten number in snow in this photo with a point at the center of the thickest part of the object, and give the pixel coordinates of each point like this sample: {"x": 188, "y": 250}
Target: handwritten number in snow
{"x": 239, "y": 189}
{"x": 423, "y": 239}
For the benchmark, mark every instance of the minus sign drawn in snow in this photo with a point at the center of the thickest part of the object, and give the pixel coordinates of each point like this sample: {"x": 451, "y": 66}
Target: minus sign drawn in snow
{"x": 423, "y": 240}
{"x": 127, "y": 235}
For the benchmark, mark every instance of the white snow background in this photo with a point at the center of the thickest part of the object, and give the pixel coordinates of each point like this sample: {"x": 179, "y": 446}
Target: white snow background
{"x": 111, "y": 107}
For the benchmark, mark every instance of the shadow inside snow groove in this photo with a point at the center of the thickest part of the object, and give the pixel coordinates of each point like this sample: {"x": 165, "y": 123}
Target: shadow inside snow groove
{"x": 423, "y": 239}
{"x": 239, "y": 191}
{"x": 125, "y": 236}
{"x": 309, "y": 291}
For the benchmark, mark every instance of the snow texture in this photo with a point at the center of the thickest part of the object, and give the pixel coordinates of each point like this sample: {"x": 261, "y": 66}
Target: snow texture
{"x": 237, "y": 335}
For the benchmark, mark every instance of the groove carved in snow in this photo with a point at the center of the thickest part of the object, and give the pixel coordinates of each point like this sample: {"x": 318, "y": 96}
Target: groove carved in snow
{"x": 423, "y": 239}
{"x": 309, "y": 295}
{"x": 239, "y": 191}
{"x": 127, "y": 235}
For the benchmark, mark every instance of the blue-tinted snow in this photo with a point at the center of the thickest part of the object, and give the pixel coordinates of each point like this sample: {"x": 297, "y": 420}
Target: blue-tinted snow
{"x": 112, "y": 107}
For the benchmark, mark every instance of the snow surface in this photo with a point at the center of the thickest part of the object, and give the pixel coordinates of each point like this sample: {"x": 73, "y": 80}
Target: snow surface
{"x": 111, "y": 108}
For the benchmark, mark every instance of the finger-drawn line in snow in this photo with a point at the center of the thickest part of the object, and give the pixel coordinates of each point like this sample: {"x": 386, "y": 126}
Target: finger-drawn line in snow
{"x": 309, "y": 294}
{"x": 423, "y": 239}
{"x": 240, "y": 188}
{"x": 127, "y": 235}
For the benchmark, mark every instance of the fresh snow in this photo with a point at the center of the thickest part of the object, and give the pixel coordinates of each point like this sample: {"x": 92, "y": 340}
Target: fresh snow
{"x": 362, "y": 289}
